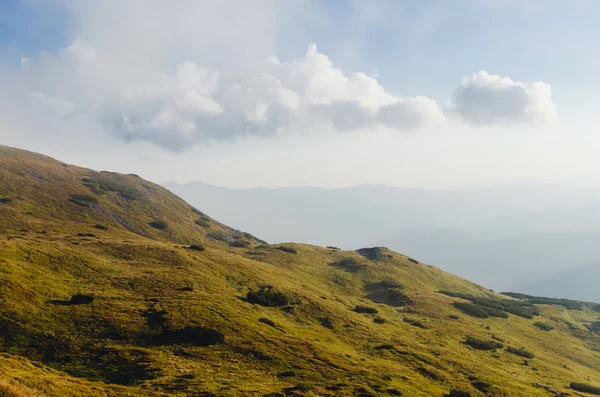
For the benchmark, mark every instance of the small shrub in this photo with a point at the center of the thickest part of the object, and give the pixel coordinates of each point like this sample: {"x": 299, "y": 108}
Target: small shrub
{"x": 543, "y": 326}
{"x": 202, "y": 222}
{"x": 453, "y": 317}
{"x": 326, "y": 322}
{"x": 393, "y": 392}
{"x": 481, "y": 344}
{"x": 349, "y": 265}
{"x": 5, "y": 200}
{"x": 239, "y": 243}
{"x": 267, "y": 296}
{"x": 365, "y": 309}
{"x": 86, "y": 235}
{"x": 482, "y": 386}
{"x": 286, "y": 374}
{"x": 415, "y": 323}
{"x": 471, "y": 309}
{"x": 81, "y": 299}
{"x": 568, "y": 303}
{"x": 520, "y": 352}
{"x": 413, "y": 261}
{"x": 458, "y": 393}
{"x": 191, "y": 335}
{"x": 101, "y": 227}
{"x": 384, "y": 347}
{"x": 289, "y": 250}
{"x": 333, "y": 248}
{"x": 267, "y": 321}
{"x": 160, "y": 225}
{"x": 217, "y": 235}
{"x": 583, "y": 387}
{"x": 197, "y": 247}
{"x": 379, "y": 320}
{"x": 83, "y": 200}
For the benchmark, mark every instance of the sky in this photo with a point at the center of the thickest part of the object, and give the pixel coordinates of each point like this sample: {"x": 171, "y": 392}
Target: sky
{"x": 432, "y": 94}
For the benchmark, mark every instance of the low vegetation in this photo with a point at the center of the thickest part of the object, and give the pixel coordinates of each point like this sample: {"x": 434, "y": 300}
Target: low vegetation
{"x": 112, "y": 184}
{"x": 5, "y": 200}
{"x": 267, "y": 296}
{"x": 81, "y": 299}
{"x": 83, "y": 200}
{"x": 160, "y": 225}
{"x": 543, "y": 326}
{"x": 585, "y": 388}
{"x": 365, "y": 309}
{"x": 520, "y": 351}
{"x": 197, "y": 247}
{"x": 101, "y": 227}
{"x": 289, "y": 250}
{"x": 350, "y": 265}
{"x": 516, "y": 307}
{"x": 190, "y": 335}
{"x": 267, "y": 321}
{"x": 568, "y": 303}
{"x": 483, "y": 344}
{"x": 479, "y": 311}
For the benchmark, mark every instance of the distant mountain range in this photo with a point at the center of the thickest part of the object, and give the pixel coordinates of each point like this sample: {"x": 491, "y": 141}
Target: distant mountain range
{"x": 508, "y": 238}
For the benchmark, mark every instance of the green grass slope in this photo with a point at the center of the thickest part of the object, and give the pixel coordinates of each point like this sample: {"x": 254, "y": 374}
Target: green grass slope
{"x": 94, "y": 301}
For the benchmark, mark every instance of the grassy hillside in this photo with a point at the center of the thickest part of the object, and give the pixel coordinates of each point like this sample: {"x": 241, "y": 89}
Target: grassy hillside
{"x": 112, "y": 286}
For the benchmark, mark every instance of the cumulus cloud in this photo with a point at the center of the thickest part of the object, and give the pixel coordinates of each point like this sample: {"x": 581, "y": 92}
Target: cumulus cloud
{"x": 485, "y": 99}
{"x": 194, "y": 104}
{"x": 147, "y": 81}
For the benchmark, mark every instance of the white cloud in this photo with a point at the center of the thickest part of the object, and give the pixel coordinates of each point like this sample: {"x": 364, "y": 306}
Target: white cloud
{"x": 484, "y": 99}
{"x": 59, "y": 106}
{"x": 178, "y": 76}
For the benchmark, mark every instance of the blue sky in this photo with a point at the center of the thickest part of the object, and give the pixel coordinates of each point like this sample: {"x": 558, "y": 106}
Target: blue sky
{"x": 153, "y": 84}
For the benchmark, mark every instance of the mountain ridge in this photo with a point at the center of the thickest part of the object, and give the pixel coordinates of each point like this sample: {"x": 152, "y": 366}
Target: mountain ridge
{"x": 96, "y": 301}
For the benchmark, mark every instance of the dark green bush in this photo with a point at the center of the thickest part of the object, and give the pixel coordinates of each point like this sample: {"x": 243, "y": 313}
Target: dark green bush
{"x": 520, "y": 352}
{"x": 350, "y": 265}
{"x": 481, "y": 344}
{"x": 365, "y": 309}
{"x": 518, "y": 308}
{"x": 543, "y": 326}
{"x": 101, "y": 227}
{"x": 202, "y": 222}
{"x": 286, "y": 374}
{"x": 83, "y": 200}
{"x": 239, "y": 243}
{"x": 81, "y": 299}
{"x": 453, "y": 317}
{"x": 267, "y": 321}
{"x": 197, "y": 247}
{"x": 267, "y": 296}
{"x": 414, "y": 323}
{"x": 217, "y": 235}
{"x": 540, "y": 300}
{"x": 458, "y": 393}
{"x": 326, "y": 322}
{"x": 384, "y": 347}
{"x": 471, "y": 309}
{"x": 333, "y": 248}
{"x": 191, "y": 335}
{"x": 287, "y": 249}
{"x": 5, "y": 200}
{"x": 413, "y": 260}
{"x": 161, "y": 225}
{"x": 379, "y": 320}
{"x": 86, "y": 235}
{"x": 583, "y": 387}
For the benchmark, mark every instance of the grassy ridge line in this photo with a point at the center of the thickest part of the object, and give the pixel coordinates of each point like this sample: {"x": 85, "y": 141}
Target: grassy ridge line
{"x": 144, "y": 285}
